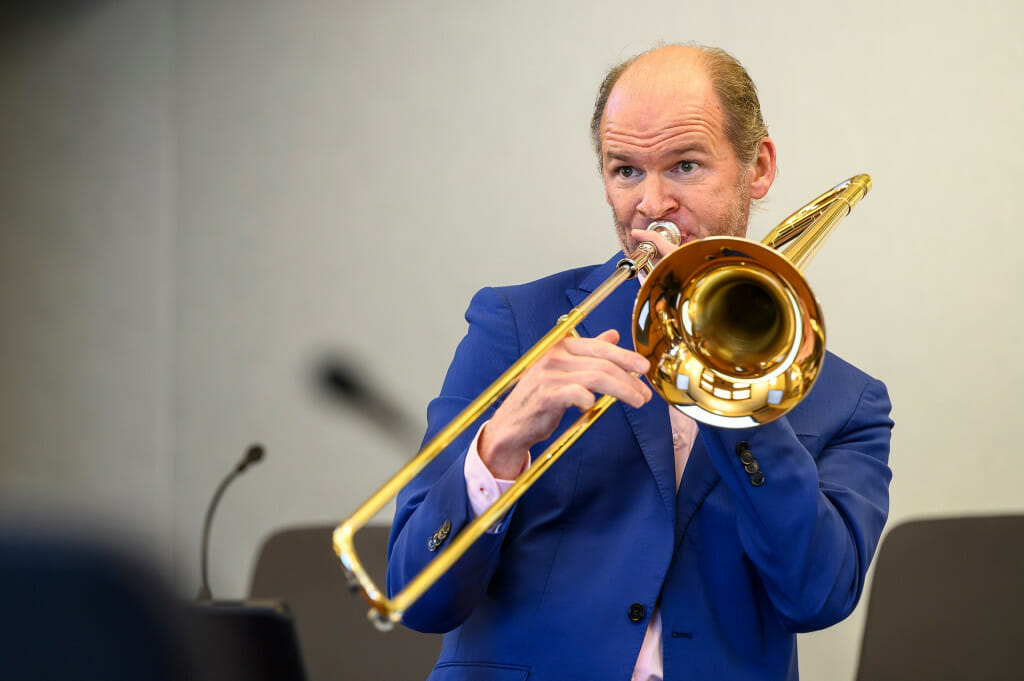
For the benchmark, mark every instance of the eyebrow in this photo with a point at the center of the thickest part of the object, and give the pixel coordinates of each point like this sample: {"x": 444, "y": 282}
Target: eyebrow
{"x": 612, "y": 156}
{"x": 694, "y": 148}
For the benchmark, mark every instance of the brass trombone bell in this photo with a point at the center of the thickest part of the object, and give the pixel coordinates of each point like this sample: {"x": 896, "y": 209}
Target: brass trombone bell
{"x": 733, "y": 331}
{"x": 739, "y": 342}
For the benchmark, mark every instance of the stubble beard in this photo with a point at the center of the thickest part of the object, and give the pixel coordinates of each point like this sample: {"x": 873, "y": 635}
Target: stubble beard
{"x": 732, "y": 221}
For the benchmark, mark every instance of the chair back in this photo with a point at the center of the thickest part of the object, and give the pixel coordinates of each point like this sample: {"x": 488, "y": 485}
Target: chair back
{"x": 947, "y": 602}
{"x": 338, "y": 643}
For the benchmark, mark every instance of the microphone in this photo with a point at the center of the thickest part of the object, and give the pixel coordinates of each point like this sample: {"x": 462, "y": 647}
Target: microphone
{"x": 252, "y": 455}
{"x": 344, "y": 383}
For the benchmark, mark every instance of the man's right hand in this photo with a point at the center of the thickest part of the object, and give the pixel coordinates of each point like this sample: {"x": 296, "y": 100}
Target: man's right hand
{"x": 568, "y": 375}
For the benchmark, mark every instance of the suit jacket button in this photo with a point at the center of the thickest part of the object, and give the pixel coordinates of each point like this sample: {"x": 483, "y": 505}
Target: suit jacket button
{"x": 637, "y": 612}
{"x": 757, "y": 479}
{"x": 438, "y": 537}
{"x": 751, "y": 467}
{"x": 742, "y": 446}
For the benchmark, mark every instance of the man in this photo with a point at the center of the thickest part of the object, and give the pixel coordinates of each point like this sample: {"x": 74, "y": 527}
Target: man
{"x": 650, "y": 550}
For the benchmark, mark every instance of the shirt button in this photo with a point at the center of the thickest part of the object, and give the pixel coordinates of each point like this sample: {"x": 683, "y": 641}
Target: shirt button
{"x": 637, "y": 612}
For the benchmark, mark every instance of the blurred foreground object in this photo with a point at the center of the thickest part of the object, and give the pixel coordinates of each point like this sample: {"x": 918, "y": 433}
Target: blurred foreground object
{"x": 77, "y": 609}
{"x": 83, "y": 609}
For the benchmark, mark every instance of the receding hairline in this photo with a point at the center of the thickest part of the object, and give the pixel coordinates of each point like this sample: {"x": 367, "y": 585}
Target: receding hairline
{"x": 717, "y": 65}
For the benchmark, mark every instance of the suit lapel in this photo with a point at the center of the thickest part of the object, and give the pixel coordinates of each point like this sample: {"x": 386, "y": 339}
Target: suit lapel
{"x": 699, "y": 478}
{"x": 650, "y": 423}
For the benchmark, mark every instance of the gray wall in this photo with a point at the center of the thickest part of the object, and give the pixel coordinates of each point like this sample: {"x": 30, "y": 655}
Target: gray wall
{"x": 87, "y": 221}
{"x": 200, "y": 201}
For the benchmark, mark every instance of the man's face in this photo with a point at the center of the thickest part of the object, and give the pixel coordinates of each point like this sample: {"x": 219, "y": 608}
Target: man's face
{"x": 666, "y": 156}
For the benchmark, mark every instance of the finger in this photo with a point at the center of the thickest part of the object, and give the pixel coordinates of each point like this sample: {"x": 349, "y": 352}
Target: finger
{"x": 574, "y": 395}
{"x": 620, "y": 385}
{"x": 595, "y": 373}
{"x": 608, "y": 336}
{"x": 601, "y": 348}
{"x": 546, "y": 387}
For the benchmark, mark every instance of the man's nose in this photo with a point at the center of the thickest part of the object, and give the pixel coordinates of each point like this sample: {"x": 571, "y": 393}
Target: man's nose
{"x": 657, "y": 201}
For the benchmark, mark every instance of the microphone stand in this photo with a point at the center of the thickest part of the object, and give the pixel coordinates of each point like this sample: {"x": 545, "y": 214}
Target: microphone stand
{"x": 253, "y": 455}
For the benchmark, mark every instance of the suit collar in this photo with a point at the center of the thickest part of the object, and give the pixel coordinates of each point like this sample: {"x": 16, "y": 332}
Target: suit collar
{"x": 598, "y": 274}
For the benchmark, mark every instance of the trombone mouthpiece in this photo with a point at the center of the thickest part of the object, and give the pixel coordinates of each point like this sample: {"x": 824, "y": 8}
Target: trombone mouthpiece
{"x": 667, "y": 229}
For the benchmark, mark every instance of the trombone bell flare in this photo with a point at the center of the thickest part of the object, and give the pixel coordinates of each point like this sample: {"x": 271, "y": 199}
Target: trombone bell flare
{"x": 733, "y": 331}
{"x": 734, "y": 334}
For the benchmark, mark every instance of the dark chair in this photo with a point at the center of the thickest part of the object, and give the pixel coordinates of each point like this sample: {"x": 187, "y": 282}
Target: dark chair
{"x": 338, "y": 643}
{"x": 947, "y": 602}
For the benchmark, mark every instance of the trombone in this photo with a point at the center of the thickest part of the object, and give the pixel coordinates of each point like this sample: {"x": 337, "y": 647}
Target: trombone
{"x": 735, "y": 339}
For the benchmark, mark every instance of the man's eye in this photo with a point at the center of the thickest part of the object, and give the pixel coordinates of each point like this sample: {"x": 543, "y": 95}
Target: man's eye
{"x": 687, "y": 166}
{"x": 626, "y": 171}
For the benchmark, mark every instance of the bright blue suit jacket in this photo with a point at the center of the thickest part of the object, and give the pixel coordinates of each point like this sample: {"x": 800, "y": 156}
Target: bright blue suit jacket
{"x": 739, "y": 568}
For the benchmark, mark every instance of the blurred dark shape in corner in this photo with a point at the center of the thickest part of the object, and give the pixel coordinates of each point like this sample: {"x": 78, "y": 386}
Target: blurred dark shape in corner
{"x": 342, "y": 381}
{"x": 28, "y": 20}
{"x": 83, "y": 608}
{"x": 77, "y": 608}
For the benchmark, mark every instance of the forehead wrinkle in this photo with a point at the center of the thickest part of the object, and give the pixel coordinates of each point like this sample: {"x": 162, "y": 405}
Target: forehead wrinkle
{"x": 693, "y": 135}
{"x": 630, "y": 118}
{"x": 657, "y": 136}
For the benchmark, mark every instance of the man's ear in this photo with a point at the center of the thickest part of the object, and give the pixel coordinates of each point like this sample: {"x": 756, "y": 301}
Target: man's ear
{"x": 762, "y": 170}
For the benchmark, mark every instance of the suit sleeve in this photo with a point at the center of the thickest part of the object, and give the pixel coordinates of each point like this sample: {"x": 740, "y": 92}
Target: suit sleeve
{"x": 811, "y": 521}
{"x": 437, "y": 497}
